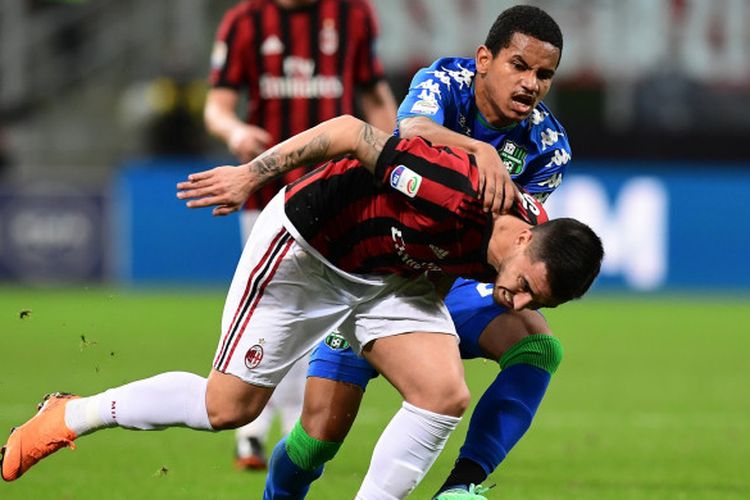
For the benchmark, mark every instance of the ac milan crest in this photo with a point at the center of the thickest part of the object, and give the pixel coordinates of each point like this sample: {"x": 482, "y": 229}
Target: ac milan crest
{"x": 253, "y": 356}
{"x": 328, "y": 38}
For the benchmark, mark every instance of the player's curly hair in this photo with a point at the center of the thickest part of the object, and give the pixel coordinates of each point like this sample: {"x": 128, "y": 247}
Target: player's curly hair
{"x": 573, "y": 254}
{"x": 531, "y": 21}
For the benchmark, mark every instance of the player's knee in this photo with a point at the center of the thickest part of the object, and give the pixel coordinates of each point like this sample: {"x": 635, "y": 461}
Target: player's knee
{"x": 449, "y": 398}
{"x": 231, "y": 402}
{"x": 230, "y": 417}
{"x": 226, "y": 413}
{"x": 307, "y": 452}
{"x": 543, "y": 351}
{"x": 458, "y": 401}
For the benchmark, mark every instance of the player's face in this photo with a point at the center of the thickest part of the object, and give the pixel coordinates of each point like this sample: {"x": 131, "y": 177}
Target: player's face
{"x": 510, "y": 84}
{"x": 522, "y": 283}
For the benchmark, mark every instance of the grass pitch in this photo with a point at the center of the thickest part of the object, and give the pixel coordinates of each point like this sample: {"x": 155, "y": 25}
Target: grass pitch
{"x": 651, "y": 402}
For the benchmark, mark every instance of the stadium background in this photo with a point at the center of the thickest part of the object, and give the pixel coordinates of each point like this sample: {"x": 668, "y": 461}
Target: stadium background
{"x": 100, "y": 104}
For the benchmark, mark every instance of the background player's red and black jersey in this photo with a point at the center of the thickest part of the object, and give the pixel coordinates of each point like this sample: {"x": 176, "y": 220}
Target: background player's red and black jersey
{"x": 300, "y": 66}
{"x": 420, "y": 212}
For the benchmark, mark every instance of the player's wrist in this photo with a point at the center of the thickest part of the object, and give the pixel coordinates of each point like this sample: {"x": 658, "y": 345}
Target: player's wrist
{"x": 480, "y": 148}
{"x": 236, "y": 137}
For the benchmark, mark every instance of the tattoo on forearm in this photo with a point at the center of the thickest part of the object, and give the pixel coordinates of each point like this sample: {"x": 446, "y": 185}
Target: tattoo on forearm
{"x": 266, "y": 165}
{"x": 314, "y": 151}
{"x": 273, "y": 163}
{"x": 372, "y": 141}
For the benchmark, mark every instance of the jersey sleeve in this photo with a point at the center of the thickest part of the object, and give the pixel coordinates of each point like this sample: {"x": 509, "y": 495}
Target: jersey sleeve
{"x": 548, "y": 167}
{"x": 549, "y": 170}
{"x": 438, "y": 175}
{"x": 368, "y": 68}
{"x": 232, "y": 51}
{"x": 427, "y": 96}
{"x": 529, "y": 209}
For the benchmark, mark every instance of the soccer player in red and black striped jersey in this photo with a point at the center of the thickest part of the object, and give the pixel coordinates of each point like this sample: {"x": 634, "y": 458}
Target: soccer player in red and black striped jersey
{"x": 421, "y": 214}
{"x": 414, "y": 208}
{"x": 298, "y": 62}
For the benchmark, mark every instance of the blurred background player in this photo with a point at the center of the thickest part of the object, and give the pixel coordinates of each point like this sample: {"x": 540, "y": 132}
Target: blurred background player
{"x": 493, "y": 105}
{"x": 298, "y": 63}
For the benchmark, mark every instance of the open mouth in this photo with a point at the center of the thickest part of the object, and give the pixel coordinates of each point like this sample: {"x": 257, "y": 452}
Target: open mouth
{"x": 524, "y": 99}
{"x": 504, "y": 297}
{"x": 523, "y": 102}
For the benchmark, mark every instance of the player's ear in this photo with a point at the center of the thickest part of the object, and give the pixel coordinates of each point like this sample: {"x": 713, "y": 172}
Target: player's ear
{"x": 483, "y": 59}
{"x": 524, "y": 238}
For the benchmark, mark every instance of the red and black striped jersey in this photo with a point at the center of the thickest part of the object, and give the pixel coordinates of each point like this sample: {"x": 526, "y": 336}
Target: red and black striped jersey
{"x": 299, "y": 66}
{"x": 419, "y": 212}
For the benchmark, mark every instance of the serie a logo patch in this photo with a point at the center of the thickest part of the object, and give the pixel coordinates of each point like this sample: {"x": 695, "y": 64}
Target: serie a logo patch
{"x": 406, "y": 180}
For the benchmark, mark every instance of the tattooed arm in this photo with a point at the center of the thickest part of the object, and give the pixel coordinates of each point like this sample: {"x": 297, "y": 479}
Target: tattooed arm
{"x": 226, "y": 188}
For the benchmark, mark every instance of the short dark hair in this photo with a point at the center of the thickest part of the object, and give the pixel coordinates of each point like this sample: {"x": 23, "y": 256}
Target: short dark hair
{"x": 573, "y": 255}
{"x": 531, "y": 21}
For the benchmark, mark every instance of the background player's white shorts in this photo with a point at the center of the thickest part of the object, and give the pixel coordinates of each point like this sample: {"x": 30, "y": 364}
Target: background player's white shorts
{"x": 283, "y": 300}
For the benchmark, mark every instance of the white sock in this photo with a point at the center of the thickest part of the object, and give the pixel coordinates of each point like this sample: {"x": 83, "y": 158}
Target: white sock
{"x": 406, "y": 450}
{"x": 165, "y": 400}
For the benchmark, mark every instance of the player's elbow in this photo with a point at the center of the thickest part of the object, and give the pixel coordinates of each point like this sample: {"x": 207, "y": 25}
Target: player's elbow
{"x": 414, "y": 126}
{"x": 348, "y": 122}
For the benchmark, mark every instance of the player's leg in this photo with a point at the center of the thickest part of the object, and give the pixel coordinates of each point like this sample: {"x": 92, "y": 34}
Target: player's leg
{"x": 250, "y": 439}
{"x": 426, "y": 369}
{"x": 289, "y": 400}
{"x": 165, "y": 400}
{"x": 528, "y": 356}
{"x": 336, "y": 382}
{"x": 256, "y": 325}
{"x": 286, "y": 402}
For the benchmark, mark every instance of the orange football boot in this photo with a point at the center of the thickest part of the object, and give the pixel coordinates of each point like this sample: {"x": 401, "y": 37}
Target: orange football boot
{"x": 250, "y": 454}
{"x": 42, "y": 435}
{"x": 253, "y": 462}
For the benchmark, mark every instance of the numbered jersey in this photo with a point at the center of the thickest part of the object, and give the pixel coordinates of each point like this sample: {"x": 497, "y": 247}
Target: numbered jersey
{"x": 535, "y": 151}
{"x": 419, "y": 212}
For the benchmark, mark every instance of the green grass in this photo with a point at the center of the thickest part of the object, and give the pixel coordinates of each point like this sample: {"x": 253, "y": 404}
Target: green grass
{"x": 651, "y": 402}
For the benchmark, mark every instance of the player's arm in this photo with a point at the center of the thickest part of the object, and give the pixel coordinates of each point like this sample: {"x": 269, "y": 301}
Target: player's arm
{"x": 221, "y": 120}
{"x": 379, "y": 106}
{"x": 495, "y": 185}
{"x": 226, "y": 188}
{"x": 548, "y": 169}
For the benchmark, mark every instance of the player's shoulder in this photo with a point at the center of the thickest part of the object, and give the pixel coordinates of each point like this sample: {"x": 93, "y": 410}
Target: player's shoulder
{"x": 545, "y": 129}
{"x": 452, "y": 71}
{"x": 238, "y": 17}
{"x": 542, "y": 117}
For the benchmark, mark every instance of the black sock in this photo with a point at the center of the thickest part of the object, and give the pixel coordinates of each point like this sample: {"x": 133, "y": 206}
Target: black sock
{"x": 464, "y": 471}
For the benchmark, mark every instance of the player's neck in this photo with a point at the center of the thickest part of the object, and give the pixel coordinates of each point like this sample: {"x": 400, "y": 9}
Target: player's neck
{"x": 505, "y": 230}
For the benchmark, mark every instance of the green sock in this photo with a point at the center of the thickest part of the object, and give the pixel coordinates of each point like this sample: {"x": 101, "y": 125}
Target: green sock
{"x": 306, "y": 451}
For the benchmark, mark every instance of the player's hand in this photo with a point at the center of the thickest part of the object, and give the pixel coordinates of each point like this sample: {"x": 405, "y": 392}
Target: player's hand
{"x": 224, "y": 188}
{"x": 496, "y": 188}
{"x": 248, "y": 141}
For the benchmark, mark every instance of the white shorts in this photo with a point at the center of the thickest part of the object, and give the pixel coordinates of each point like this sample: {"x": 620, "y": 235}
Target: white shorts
{"x": 284, "y": 299}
